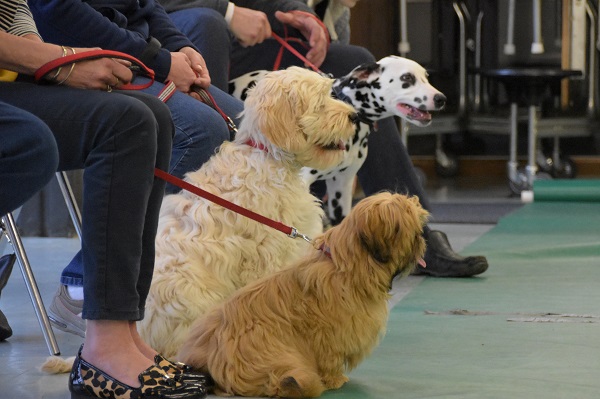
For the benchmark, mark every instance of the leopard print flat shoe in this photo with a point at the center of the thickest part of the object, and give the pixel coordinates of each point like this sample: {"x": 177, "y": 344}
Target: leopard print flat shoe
{"x": 87, "y": 381}
{"x": 183, "y": 373}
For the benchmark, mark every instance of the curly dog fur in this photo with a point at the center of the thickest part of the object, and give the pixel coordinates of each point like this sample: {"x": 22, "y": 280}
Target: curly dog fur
{"x": 205, "y": 252}
{"x": 295, "y": 333}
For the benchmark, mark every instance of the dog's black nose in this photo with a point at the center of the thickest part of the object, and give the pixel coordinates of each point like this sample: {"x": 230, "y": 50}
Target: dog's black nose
{"x": 439, "y": 100}
{"x": 354, "y": 118}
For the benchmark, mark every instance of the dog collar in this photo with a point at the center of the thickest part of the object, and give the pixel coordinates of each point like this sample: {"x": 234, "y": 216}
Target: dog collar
{"x": 254, "y": 144}
{"x": 325, "y": 249}
{"x": 361, "y": 114}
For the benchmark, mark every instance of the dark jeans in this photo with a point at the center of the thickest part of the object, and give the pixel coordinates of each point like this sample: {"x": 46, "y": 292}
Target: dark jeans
{"x": 28, "y": 156}
{"x": 118, "y": 140}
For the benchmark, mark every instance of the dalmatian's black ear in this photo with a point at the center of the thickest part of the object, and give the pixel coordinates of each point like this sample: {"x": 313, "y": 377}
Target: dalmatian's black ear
{"x": 364, "y": 71}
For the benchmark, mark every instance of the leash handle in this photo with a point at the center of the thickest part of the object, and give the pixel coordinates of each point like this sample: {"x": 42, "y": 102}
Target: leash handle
{"x": 285, "y": 43}
{"x": 292, "y": 50}
{"x": 137, "y": 66}
{"x": 290, "y": 231}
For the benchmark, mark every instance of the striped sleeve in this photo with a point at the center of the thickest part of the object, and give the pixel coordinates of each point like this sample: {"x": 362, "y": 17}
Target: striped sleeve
{"x": 16, "y": 18}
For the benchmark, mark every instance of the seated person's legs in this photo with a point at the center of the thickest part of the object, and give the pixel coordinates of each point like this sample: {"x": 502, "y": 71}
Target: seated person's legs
{"x": 28, "y": 159}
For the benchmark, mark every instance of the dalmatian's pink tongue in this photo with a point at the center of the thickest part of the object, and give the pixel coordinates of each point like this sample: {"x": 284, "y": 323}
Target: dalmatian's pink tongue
{"x": 413, "y": 113}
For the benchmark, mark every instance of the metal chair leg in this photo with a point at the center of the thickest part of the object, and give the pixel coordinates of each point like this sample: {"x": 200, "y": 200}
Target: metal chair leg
{"x": 67, "y": 192}
{"x": 9, "y": 227}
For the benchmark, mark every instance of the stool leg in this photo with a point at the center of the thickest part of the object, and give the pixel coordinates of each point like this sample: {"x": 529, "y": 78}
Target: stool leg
{"x": 34, "y": 293}
{"x": 512, "y": 159}
{"x": 67, "y": 192}
{"x": 531, "y": 168}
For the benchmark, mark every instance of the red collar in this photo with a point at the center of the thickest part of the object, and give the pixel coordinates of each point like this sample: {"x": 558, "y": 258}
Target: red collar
{"x": 325, "y": 249}
{"x": 254, "y": 144}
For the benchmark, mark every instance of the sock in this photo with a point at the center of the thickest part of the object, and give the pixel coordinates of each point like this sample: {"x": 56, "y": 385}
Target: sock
{"x": 75, "y": 292}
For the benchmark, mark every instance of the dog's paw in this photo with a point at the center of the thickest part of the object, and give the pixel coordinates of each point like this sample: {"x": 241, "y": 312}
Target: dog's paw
{"x": 335, "y": 382}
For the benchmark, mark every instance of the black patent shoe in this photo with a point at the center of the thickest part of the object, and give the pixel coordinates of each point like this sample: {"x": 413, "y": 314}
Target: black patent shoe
{"x": 183, "y": 373}
{"x": 442, "y": 261}
{"x": 87, "y": 381}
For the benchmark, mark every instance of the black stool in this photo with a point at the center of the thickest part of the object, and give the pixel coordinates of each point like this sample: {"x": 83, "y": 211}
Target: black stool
{"x": 528, "y": 84}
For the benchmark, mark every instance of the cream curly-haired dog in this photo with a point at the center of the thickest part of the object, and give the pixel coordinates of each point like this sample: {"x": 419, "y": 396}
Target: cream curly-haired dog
{"x": 205, "y": 252}
{"x": 294, "y": 333}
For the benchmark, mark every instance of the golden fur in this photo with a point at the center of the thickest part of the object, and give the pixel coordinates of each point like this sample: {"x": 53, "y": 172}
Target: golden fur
{"x": 205, "y": 252}
{"x": 295, "y": 333}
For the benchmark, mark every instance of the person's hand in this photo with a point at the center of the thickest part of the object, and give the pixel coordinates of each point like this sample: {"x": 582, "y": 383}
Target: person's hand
{"x": 99, "y": 74}
{"x": 182, "y": 74}
{"x": 198, "y": 64}
{"x": 249, "y": 26}
{"x": 312, "y": 30}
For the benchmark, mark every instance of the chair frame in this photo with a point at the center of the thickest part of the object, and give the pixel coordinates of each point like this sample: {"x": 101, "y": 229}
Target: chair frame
{"x": 9, "y": 228}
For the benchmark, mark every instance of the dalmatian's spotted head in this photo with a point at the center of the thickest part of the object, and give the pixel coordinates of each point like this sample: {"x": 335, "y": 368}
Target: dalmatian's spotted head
{"x": 392, "y": 86}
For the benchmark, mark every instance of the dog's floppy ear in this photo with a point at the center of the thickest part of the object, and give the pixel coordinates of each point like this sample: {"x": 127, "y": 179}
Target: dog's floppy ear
{"x": 274, "y": 103}
{"x": 385, "y": 225}
{"x": 364, "y": 71}
{"x": 376, "y": 232}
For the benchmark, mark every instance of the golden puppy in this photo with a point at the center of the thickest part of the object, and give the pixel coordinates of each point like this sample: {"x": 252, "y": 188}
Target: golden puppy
{"x": 295, "y": 333}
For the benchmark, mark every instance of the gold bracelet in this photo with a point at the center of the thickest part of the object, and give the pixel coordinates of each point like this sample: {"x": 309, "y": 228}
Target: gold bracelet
{"x": 70, "y": 70}
{"x": 64, "y": 53}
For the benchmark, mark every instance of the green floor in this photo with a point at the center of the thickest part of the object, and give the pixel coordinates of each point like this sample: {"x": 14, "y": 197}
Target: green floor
{"x": 529, "y": 327}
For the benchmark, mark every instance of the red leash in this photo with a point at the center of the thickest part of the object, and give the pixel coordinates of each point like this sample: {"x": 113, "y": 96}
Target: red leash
{"x": 290, "y": 231}
{"x": 284, "y": 43}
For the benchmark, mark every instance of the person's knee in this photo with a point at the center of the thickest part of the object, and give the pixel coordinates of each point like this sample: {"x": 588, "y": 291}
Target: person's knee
{"x": 135, "y": 128}
{"x": 211, "y": 20}
{"x": 29, "y": 160}
{"x": 342, "y": 58}
{"x": 202, "y": 23}
{"x": 361, "y": 55}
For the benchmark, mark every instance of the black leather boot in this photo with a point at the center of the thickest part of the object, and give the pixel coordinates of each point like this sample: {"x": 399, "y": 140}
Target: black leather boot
{"x": 6, "y": 266}
{"x": 442, "y": 261}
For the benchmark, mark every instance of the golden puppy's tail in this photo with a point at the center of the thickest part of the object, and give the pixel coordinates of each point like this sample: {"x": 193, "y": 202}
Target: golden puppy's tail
{"x": 57, "y": 365}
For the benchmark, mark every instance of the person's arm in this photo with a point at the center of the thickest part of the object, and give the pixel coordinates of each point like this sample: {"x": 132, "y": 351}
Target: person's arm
{"x": 27, "y": 54}
{"x": 75, "y": 23}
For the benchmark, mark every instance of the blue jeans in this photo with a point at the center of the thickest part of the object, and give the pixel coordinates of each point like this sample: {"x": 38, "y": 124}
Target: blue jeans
{"x": 28, "y": 156}
{"x": 118, "y": 140}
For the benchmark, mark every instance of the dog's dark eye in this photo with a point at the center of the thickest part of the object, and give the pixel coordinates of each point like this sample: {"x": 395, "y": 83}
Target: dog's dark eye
{"x": 408, "y": 78}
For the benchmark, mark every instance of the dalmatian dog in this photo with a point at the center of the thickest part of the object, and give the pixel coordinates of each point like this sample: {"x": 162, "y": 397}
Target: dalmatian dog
{"x": 392, "y": 86}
